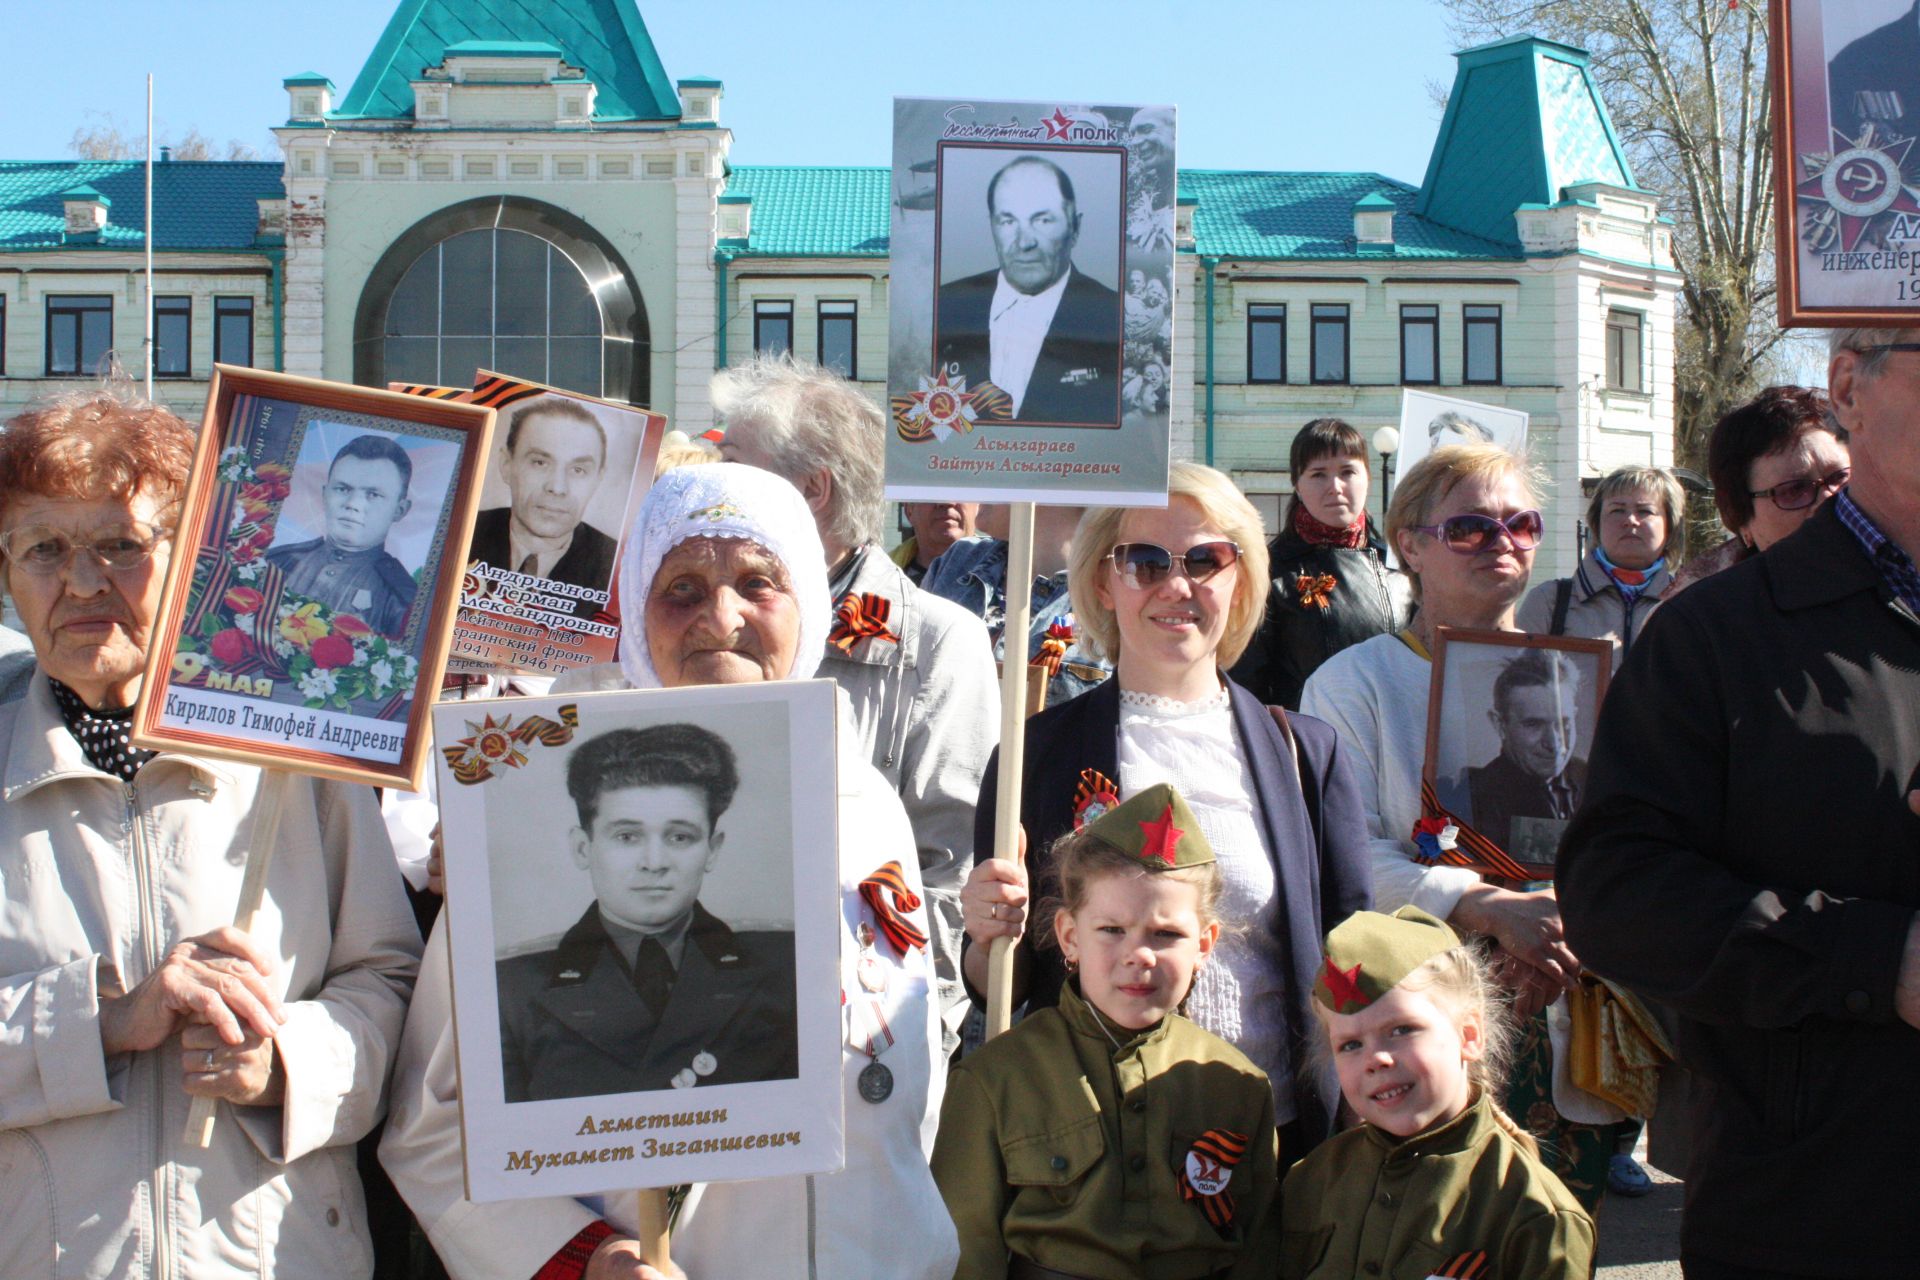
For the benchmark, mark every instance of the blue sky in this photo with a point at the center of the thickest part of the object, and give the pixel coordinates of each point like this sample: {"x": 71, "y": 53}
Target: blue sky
{"x": 1261, "y": 84}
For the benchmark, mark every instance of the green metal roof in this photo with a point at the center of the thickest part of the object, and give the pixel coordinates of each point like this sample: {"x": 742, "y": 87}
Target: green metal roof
{"x": 808, "y": 211}
{"x": 84, "y": 192}
{"x": 605, "y": 38}
{"x": 305, "y": 78}
{"x": 201, "y": 204}
{"x": 1371, "y": 201}
{"x": 1524, "y": 122}
{"x": 503, "y": 49}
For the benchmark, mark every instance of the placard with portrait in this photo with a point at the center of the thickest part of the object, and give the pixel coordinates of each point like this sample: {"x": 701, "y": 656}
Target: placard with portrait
{"x": 323, "y": 527}
{"x": 642, "y": 889}
{"x": 1031, "y": 301}
{"x": 1510, "y": 724}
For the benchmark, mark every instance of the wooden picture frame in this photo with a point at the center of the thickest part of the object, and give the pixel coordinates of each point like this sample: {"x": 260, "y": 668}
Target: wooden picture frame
{"x": 1846, "y": 222}
{"x": 275, "y": 647}
{"x": 567, "y": 1087}
{"x": 1508, "y": 808}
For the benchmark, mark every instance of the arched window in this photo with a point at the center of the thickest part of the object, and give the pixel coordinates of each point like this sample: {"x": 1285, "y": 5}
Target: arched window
{"x": 509, "y": 285}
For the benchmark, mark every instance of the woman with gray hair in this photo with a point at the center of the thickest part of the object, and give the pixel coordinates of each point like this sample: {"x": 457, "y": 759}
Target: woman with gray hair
{"x": 1638, "y": 519}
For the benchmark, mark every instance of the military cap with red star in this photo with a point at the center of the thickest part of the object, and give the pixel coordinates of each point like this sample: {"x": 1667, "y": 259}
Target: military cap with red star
{"x": 1368, "y": 954}
{"x": 1155, "y": 828}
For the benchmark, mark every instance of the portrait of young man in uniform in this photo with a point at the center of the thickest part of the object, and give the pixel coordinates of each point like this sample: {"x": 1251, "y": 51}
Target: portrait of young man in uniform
{"x": 348, "y": 568}
{"x": 1038, "y": 328}
{"x": 553, "y": 461}
{"x": 1535, "y": 776}
{"x": 648, "y": 989}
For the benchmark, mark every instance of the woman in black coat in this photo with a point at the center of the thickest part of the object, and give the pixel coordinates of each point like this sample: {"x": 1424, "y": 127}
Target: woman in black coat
{"x": 1172, "y": 595}
{"x": 1331, "y": 584}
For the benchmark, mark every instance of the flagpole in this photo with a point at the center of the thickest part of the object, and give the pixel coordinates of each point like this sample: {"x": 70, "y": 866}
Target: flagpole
{"x": 1013, "y": 737}
{"x": 147, "y": 345}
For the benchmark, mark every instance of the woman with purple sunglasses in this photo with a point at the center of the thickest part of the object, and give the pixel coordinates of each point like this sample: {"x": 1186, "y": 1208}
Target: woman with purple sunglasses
{"x": 1172, "y": 596}
{"x": 1465, "y": 520}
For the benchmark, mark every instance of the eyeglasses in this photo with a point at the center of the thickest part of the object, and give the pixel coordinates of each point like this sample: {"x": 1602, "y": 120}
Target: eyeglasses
{"x": 43, "y": 549}
{"x": 1798, "y": 495}
{"x": 1878, "y": 347}
{"x": 1144, "y": 564}
{"x": 1471, "y": 534}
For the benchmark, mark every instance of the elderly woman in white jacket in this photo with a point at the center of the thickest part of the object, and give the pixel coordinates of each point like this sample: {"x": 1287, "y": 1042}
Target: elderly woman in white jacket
{"x": 725, "y": 578}
{"x": 124, "y": 992}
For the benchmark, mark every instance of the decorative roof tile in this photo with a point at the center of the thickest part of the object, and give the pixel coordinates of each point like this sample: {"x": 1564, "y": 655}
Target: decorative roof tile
{"x": 605, "y": 38}
{"x": 806, "y": 210}
{"x": 201, "y": 204}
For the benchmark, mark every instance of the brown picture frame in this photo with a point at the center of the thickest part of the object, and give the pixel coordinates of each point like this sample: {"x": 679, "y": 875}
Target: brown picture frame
{"x": 1836, "y": 186}
{"x": 208, "y": 690}
{"x": 1448, "y": 783}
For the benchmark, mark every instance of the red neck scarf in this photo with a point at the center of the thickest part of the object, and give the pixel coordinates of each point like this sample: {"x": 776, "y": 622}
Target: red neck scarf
{"x": 1352, "y": 537}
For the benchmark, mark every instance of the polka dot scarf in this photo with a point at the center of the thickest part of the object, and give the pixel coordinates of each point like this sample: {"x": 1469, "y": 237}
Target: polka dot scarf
{"x": 102, "y": 734}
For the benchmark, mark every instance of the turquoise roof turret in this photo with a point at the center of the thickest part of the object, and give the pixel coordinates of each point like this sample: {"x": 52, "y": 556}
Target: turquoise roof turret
{"x": 1524, "y": 122}
{"x": 604, "y": 38}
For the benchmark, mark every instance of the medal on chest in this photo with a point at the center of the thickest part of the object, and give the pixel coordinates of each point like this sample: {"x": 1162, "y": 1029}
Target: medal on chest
{"x": 875, "y": 1083}
{"x": 1207, "y": 1171}
{"x": 869, "y": 969}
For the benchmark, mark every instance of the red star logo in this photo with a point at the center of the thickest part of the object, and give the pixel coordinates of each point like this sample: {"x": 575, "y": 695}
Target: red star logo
{"x": 1057, "y": 124}
{"x": 1163, "y": 838}
{"x": 1868, "y": 174}
{"x": 1343, "y": 985}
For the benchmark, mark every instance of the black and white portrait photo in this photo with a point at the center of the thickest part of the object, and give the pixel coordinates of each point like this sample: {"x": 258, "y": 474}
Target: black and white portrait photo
{"x": 1030, "y": 270}
{"x": 642, "y": 889}
{"x": 1515, "y": 725}
{"x": 1430, "y": 421}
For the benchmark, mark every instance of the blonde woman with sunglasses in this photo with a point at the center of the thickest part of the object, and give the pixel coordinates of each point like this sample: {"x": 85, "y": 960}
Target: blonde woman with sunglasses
{"x": 1172, "y": 596}
{"x": 1466, "y": 521}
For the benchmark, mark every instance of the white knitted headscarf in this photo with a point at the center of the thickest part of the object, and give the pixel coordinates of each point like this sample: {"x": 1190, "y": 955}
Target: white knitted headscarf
{"x": 723, "y": 500}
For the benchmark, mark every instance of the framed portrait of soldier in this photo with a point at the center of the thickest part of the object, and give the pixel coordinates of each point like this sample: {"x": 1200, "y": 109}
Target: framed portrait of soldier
{"x": 313, "y": 588}
{"x": 1510, "y": 724}
{"x": 643, "y": 898}
{"x": 1846, "y": 115}
{"x": 563, "y": 481}
{"x": 1031, "y": 323}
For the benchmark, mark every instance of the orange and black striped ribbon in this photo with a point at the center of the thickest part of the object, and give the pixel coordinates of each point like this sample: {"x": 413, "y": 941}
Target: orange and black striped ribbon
{"x": 1473, "y": 850}
{"x": 855, "y": 618}
{"x": 887, "y": 893}
{"x": 496, "y": 392}
{"x": 1225, "y": 1148}
{"x": 1467, "y": 1266}
{"x": 1053, "y": 648}
{"x": 428, "y": 391}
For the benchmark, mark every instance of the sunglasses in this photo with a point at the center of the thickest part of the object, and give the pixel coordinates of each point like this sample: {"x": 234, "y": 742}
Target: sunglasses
{"x": 1471, "y": 534}
{"x": 1798, "y": 495}
{"x": 1144, "y": 564}
{"x": 43, "y": 549}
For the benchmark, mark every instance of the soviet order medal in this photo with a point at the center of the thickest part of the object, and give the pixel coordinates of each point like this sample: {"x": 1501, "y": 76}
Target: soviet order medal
{"x": 876, "y": 1082}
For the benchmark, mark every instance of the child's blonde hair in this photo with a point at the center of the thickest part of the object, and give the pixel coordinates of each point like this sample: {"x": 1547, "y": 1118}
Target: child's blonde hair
{"x": 1461, "y": 981}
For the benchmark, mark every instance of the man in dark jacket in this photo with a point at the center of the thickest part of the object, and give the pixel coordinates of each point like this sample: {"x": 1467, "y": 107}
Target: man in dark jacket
{"x": 553, "y": 462}
{"x": 1876, "y": 80}
{"x": 1746, "y": 854}
{"x": 1043, "y": 332}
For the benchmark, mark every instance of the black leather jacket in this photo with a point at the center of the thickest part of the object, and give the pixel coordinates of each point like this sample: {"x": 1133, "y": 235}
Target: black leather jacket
{"x": 1297, "y": 636}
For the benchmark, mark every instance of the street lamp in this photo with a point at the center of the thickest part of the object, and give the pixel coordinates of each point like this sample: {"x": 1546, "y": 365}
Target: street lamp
{"x": 1386, "y": 443}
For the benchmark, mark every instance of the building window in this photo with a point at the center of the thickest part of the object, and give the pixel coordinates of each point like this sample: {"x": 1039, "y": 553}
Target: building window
{"x": 838, "y": 335}
{"x": 773, "y": 328}
{"x": 172, "y": 336}
{"x": 1623, "y": 351}
{"x": 1266, "y": 343}
{"x": 1481, "y": 343}
{"x": 1420, "y": 343}
{"x": 1330, "y": 333}
{"x": 79, "y": 333}
{"x": 233, "y": 331}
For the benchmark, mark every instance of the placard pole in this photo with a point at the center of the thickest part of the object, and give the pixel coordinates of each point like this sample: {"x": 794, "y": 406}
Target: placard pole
{"x": 1013, "y": 741}
{"x": 653, "y": 1228}
{"x": 253, "y": 890}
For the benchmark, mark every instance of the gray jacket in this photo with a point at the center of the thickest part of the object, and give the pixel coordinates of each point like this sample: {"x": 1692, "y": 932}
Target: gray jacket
{"x": 927, "y": 711}
{"x": 1595, "y": 608}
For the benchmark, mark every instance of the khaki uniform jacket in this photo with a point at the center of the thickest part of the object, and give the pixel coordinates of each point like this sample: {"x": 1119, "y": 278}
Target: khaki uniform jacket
{"x": 1463, "y": 1199}
{"x": 1056, "y": 1146}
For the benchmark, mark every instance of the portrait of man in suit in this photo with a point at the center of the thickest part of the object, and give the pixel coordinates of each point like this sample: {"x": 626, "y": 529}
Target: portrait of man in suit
{"x": 553, "y": 461}
{"x": 348, "y": 568}
{"x": 648, "y": 989}
{"x": 1038, "y": 328}
{"x": 1875, "y": 78}
{"x": 1535, "y": 775}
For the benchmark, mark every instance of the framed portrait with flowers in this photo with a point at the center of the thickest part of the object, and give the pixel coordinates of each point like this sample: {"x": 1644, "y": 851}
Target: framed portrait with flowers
{"x": 322, "y": 534}
{"x": 645, "y": 932}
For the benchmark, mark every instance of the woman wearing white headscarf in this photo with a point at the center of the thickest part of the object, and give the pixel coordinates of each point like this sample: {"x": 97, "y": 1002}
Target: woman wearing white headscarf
{"x": 723, "y": 582}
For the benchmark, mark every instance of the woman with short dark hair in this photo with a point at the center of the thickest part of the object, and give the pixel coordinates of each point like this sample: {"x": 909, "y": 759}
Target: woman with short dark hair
{"x": 1331, "y": 584}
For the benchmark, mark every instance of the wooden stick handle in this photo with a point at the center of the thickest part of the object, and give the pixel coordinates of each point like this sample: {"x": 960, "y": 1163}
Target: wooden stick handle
{"x": 1013, "y": 742}
{"x": 253, "y": 890}
{"x": 653, "y": 1228}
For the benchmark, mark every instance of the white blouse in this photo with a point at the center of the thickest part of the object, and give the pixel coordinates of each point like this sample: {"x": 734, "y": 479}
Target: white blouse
{"x": 1239, "y": 994}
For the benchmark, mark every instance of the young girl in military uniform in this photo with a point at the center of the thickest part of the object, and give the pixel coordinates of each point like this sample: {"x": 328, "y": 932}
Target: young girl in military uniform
{"x": 1436, "y": 1180}
{"x": 1109, "y": 1138}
